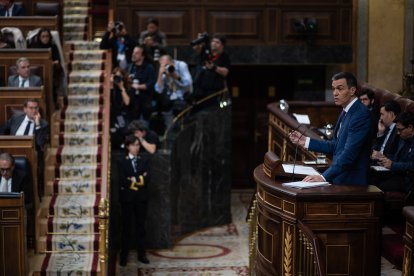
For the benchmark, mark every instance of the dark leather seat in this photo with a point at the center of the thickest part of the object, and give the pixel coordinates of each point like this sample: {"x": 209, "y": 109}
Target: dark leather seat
{"x": 46, "y": 9}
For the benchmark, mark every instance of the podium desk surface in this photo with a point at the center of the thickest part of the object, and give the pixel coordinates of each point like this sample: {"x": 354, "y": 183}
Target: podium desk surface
{"x": 326, "y": 193}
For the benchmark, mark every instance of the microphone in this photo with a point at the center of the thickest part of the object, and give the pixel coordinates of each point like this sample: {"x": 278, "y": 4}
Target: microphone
{"x": 296, "y": 151}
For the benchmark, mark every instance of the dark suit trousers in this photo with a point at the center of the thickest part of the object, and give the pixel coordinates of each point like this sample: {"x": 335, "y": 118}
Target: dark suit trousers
{"x": 133, "y": 212}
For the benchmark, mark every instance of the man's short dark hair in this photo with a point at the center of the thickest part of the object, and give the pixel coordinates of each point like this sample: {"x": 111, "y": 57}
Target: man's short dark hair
{"x": 137, "y": 125}
{"x": 220, "y": 37}
{"x": 7, "y": 157}
{"x": 153, "y": 21}
{"x": 405, "y": 118}
{"x": 370, "y": 94}
{"x": 131, "y": 139}
{"x": 393, "y": 106}
{"x": 351, "y": 81}
{"x": 31, "y": 100}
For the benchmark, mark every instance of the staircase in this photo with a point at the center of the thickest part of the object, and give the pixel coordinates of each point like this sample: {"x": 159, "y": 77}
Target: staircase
{"x": 68, "y": 219}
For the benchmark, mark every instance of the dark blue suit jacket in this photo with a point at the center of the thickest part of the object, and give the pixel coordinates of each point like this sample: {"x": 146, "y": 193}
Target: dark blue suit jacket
{"x": 18, "y": 10}
{"x": 350, "y": 150}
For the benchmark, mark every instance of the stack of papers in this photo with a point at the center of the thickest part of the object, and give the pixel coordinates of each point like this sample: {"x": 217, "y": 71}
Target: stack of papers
{"x": 300, "y": 169}
{"x": 380, "y": 168}
{"x": 305, "y": 185}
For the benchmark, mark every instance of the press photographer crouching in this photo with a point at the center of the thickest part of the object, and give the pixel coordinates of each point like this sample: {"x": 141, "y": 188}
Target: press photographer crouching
{"x": 174, "y": 84}
{"x": 122, "y": 112}
{"x": 214, "y": 65}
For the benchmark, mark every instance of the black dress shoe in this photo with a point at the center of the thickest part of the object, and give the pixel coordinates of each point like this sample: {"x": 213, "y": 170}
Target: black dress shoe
{"x": 143, "y": 259}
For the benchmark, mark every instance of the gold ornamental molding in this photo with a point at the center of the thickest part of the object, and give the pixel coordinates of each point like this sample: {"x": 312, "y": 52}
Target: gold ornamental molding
{"x": 406, "y": 262}
{"x": 288, "y": 249}
{"x": 409, "y": 230}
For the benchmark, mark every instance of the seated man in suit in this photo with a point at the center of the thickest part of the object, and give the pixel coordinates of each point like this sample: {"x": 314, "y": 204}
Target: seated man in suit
{"x": 13, "y": 180}
{"x": 351, "y": 143}
{"x": 28, "y": 123}
{"x": 386, "y": 142}
{"x": 9, "y": 8}
{"x": 401, "y": 165}
{"x": 23, "y": 78}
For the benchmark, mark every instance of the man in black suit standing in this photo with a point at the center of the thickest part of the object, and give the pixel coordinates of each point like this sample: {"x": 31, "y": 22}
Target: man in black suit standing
{"x": 133, "y": 171}
{"x": 387, "y": 139}
{"x": 24, "y": 78}
{"x": 9, "y": 8}
{"x": 13, "y": 180}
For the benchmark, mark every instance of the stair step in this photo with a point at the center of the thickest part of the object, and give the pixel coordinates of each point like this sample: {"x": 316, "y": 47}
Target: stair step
{"x": 84, "y": 100}
{"x": 72, "y": 127}
{"x": 74, "y": 206}
{"x": 78, "y": 139}
{"x": 68, "y": 226}
{"x": 85, "y": 88}
{"x": 72, "y": 187}
{"x": 71, "y": 264}
{"x": 74, "y": 36}
{"x": 95, "y": 65}
{"x": 75, "y": 155}
{"x": 88, "y": 111}
{"x": 87, "y": 55}
{"x": 86, "y": 76}
{"x": 77, "y": 172}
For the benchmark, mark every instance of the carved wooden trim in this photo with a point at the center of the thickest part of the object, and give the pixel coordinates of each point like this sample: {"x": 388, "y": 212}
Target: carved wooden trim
{"x": 288, "y": 245}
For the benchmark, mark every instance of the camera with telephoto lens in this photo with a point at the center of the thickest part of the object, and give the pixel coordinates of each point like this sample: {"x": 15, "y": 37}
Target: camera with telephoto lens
{"x": 118, "y": 28}
{"x": 204, "y": 38}
{"x": 117, "y": 79}
{"x": 170, "y": 68}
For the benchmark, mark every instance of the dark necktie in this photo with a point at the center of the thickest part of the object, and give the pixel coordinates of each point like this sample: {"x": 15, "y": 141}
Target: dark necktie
{"x": 135, "y": 163}
{"x": 22, "y": 84}
{"x": 340, "y": 119}
{"x": 26, "y": 131}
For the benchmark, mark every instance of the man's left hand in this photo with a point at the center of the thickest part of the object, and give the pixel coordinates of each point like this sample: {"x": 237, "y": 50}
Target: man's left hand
{"x": 314, "y": 178}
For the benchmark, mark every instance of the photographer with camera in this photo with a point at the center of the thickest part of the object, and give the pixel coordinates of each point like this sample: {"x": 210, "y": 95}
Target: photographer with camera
{"x": 173, "y": 82}
{"x": 122, "y": 102}
{"x": 214, "y": 68}
{"x": 143, "y": 76}
{"x": 121, "y": 44}
{"x": 154, "y": 40}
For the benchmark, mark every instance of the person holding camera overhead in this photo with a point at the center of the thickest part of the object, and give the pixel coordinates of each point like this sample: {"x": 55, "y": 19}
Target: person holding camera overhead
{"x": 173, "y": 82}
{"x": 122, "y": 112}
{"x": 215, "y": 65}
{"x": 121, "y": 44}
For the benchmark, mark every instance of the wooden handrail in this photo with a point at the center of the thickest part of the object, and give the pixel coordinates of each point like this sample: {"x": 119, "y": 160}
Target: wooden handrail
{"x": 315, "y": 247}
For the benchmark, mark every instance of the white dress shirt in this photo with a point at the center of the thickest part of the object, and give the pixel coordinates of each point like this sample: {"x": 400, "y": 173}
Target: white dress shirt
{"x": 22, "y": 127}
{"x": 5, "y": 185}
{"x": 26, "y": 83}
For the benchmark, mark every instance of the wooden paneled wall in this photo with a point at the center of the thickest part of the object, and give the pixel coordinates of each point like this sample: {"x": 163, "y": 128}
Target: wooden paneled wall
{"x": 262, "y": 22}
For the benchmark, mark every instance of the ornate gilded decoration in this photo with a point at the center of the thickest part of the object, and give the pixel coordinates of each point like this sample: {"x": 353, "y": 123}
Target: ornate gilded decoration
{"x": 287, "y": 252}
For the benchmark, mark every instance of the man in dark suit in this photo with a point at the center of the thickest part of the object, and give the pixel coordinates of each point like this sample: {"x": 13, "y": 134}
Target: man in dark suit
{"x": 9, "y": 8}
{"x": 133, "y": 171}
{"x": 351, "y": 143}
{"x": 386, "y": 142}
{"x": 24, "y": 78}
{"x": 401, "y": 165}
{"x": 13, "y": 180}
{"x": 28, "y": 123}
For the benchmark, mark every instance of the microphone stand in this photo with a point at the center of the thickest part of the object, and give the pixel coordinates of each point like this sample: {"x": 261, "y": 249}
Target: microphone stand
{"x": 296, "y": 153}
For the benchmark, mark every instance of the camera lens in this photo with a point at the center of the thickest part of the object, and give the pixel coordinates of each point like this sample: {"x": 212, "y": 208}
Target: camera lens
{"x": 171, "y": 69}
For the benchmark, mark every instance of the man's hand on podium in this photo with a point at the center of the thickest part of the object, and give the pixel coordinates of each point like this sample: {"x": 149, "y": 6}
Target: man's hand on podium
{"x": 314, "y": 178}
{"x": 297, "y": 138}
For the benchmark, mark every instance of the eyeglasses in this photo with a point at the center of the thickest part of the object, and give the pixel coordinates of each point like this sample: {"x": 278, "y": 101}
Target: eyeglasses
{"x": 4, "y": 170}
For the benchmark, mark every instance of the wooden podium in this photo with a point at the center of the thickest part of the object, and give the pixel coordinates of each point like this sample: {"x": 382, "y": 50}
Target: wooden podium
{"x": 333, "y": 230}
{"x": 13, "y": 257}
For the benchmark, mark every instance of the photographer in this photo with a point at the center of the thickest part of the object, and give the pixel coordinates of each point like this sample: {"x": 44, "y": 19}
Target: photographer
{"x": 174, "y": 80}
{"x": 122, "y": 97}
{"x": 153, "y": 40}
{"x": 215, "y": 66}
{"x": 121, "y": 44}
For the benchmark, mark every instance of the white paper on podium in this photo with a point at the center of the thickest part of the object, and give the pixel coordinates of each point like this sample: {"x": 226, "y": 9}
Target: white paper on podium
{"x": 300, "y": 169}
{"x": 380, "y": 168}
{"x": 305, "y": 185}
{"x": 302, "y": 118}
